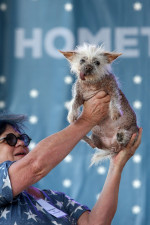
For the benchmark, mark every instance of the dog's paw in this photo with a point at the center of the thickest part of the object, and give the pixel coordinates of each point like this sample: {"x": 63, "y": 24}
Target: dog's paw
{"x": 116, "y": 115}
{"x": 120, "y": 137}
{"x": 72, "y": 117}
{"x": 123, "y": 137}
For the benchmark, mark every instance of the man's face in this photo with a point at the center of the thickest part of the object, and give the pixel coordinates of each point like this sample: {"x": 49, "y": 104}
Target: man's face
{"x": 12, "y": 153}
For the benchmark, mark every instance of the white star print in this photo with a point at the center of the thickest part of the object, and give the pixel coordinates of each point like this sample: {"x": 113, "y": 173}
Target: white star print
{"x": 39, "y": 208}
{"x": 59, "y": 204}
{"x": 2, "y": 167}
{"x": 31, "y": 215}
{"x": 71, "y": 202}
{"x": 53, "y": 192}
{"x": 4, "y": 213}
{"x": 15, "y": 223}
{"x": 6, "y": 182}
{"x": 79, "y": 208}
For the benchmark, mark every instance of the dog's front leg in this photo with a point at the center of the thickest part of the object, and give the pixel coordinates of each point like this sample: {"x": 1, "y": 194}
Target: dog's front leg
{"x": 110, "y": 86}
{"x": 74, "y": 110}
{"x": 115, "y": 105}
{"x": 89, "y": 141}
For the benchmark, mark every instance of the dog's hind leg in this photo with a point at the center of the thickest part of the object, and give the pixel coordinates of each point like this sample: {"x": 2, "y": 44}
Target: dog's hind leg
{"x": 123, "y": 135}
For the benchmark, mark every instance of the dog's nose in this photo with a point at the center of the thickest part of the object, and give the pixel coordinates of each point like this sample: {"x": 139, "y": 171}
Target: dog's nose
{"x": 88, "y": 68}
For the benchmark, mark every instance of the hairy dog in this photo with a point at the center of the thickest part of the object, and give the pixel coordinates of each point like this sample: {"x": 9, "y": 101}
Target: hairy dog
{"x": 92, "y": 66}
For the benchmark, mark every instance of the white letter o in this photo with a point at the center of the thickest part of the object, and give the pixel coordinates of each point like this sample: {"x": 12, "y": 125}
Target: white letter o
{"x": 52, "y": 35}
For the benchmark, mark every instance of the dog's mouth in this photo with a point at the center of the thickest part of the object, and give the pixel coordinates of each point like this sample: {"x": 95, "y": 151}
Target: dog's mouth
{"x": 85, "y": 76}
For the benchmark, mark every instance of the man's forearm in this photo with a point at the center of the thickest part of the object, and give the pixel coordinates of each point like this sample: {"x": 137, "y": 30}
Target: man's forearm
{"x": 51, "y": 150}
{"x": 105, "y": 208}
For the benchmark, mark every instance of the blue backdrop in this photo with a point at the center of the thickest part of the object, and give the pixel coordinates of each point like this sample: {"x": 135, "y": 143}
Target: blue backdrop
{"x": 35, "y": 80}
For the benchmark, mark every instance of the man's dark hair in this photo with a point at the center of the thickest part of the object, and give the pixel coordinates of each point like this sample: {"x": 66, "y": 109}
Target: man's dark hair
{"x": 15, "y": 120}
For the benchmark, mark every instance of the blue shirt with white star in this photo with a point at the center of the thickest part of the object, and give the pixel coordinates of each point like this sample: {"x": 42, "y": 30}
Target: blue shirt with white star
{"x": 24, "y": 209}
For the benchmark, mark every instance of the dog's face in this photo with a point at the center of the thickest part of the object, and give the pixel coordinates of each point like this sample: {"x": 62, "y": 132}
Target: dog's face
{"x": 90, "y": 63}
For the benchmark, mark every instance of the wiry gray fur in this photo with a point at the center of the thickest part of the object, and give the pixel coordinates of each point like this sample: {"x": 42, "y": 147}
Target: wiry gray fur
{"x": 92, "y": 66}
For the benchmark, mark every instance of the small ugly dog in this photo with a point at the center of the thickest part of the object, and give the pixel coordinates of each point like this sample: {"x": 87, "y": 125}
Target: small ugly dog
{"x": 92, "y": 66}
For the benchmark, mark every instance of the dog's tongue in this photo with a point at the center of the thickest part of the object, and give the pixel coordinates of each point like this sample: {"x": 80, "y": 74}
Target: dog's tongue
{"x": 82, "y": 76}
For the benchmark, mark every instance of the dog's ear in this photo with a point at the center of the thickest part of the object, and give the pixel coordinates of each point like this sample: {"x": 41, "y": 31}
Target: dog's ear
{"x": 111, "y": 56}
{"x": 69, "y": 55}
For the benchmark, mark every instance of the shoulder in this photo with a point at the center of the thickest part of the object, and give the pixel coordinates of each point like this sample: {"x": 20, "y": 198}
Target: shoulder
{"x": 6, "y": 165}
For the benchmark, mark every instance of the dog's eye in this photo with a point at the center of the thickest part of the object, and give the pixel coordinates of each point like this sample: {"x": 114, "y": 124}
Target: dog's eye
{"x": 82, "y": 61}
{"x": 97, "y": 63}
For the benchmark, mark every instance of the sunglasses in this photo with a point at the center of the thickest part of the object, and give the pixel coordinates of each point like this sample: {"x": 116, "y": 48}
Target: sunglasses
{"x": 11, "y": 139}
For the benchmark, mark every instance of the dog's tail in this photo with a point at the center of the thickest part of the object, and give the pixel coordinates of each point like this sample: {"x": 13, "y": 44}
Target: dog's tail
{"x": 100, "y": 155}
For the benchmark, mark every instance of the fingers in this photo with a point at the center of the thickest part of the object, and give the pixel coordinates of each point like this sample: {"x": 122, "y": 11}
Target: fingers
{"x": 138, "y": 141}
{"x": 106, "y": 99}
{"x": 129, "y": 150}
{"x": 132, "y": 142}
{"x": 103, "y": 96}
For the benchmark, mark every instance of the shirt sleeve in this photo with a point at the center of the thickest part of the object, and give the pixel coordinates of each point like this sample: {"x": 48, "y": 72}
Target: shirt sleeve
{"x": 74, "y": 209}
{"x": 6, "y": 195}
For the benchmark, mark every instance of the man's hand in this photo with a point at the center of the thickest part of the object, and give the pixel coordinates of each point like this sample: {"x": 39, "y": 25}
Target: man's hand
{"x": 96, "y": 108}
{"x": 125, "y": 154}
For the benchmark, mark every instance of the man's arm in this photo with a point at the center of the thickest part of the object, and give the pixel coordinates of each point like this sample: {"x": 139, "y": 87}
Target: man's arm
{"x": 53, "y": 149}
{"x": 105, "y": 208}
